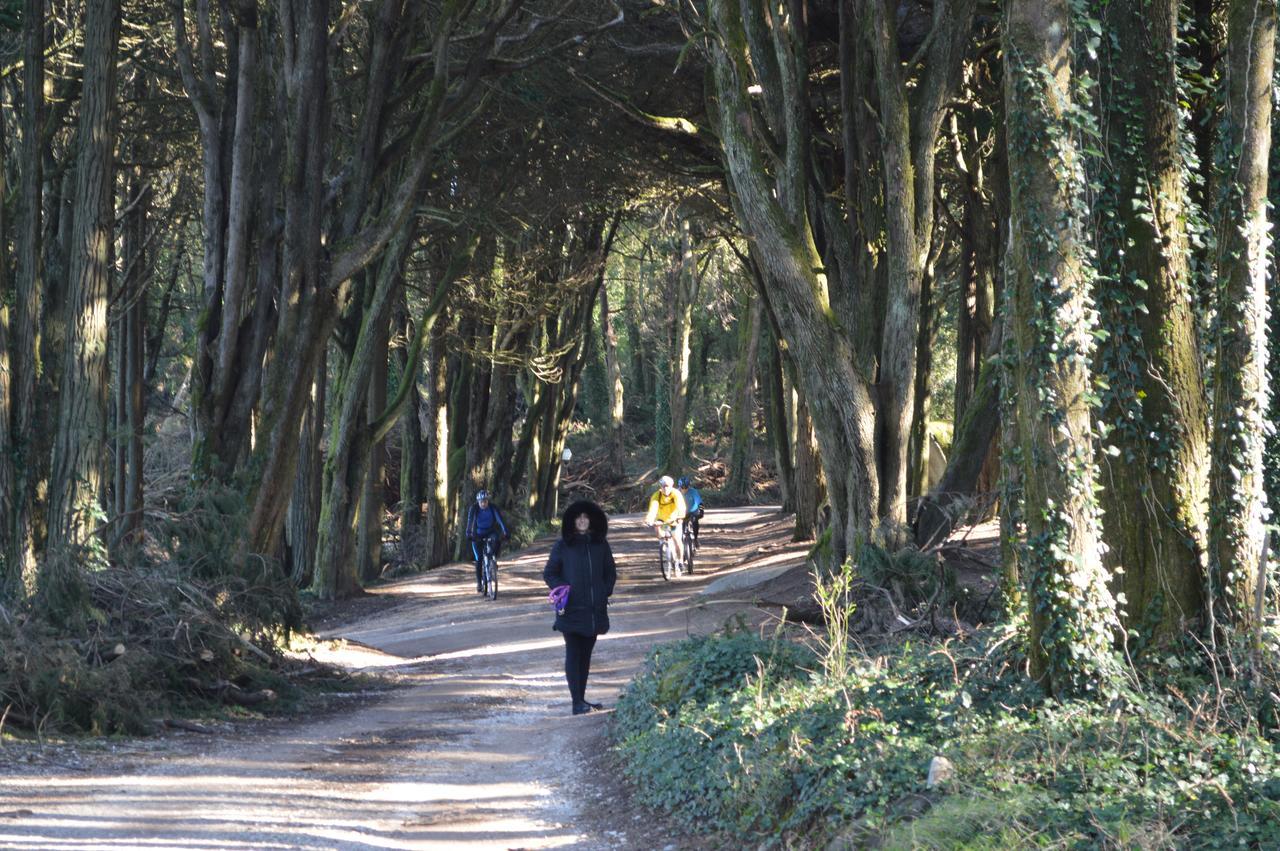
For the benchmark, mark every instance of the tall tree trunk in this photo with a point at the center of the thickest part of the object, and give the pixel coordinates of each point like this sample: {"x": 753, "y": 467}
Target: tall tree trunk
{"x": 129, "y": 346}
{"x": 499, "y": 429}
{"x": 809, "y": 490}
{"x": 372, "y": 499}
{"x": 909, "y": 133}
{"x": 918, "y": 472}
{"x": 1240, "y": 379}
{"x": 82, "y": 422}
{"x": 840, "y": 396}
{"x": 229, "y": 126}
{"x": 1013, "y": 530}
{"x": 686, "y": 288}
{"x": 613, "y": 380}
{"x": 977, "y": 255}
{"x": 1073, "y": 617}
{"x": 302, "y": 521}
{"x": 970, "y": 450}
{"x": 1154, "y": 411}
{"x": 353, "y": 436}
{"x": 738, "y": 483}
{"x": 349, "y": 460}
{"x": 435, "y": 518}
{"x": 28, "y": 310}
{"x": 413, "y": 456}
{"x": 10, "y": 573}
{"x": 779, "y": 428}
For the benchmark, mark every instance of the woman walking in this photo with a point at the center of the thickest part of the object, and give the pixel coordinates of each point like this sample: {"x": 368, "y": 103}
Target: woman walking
{"x": 583, "y": 561}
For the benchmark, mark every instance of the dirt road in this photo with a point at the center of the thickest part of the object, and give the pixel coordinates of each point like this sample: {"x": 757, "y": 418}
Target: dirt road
{"x": 478, "y": 750}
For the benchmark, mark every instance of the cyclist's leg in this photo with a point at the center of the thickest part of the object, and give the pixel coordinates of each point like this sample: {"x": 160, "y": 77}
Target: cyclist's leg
{"x": 677, "y": 534}
{"x": 479, "y": 558}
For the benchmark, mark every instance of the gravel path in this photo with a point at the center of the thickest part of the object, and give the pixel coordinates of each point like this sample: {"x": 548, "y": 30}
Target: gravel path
{"x": 476, "y": 750}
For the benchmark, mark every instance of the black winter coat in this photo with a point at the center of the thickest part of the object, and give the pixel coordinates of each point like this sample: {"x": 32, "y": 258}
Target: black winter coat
{"x": 584, "y": 563}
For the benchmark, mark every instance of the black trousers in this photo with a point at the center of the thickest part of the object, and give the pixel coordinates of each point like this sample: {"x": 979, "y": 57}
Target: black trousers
{"x": 577, "y": 663}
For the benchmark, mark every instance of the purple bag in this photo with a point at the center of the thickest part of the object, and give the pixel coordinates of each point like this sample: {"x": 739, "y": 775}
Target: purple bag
{"x": 558, "y": 598}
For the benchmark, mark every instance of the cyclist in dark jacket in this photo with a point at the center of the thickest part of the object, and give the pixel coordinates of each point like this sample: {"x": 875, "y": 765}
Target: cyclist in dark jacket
{"x": 583, "y": 560}
{"x": 484, "y": 520}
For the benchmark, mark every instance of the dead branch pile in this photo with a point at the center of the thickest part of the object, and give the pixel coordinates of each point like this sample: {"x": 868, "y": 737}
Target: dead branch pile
{"x": 154, "y": 640}
{"x": 177, "y": 625}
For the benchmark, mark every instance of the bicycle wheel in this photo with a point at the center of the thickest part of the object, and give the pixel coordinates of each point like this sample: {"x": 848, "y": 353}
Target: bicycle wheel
{"x": 664, "y": 555}
{"x": 688, "y": 552}
{"x": 491, "y": 578}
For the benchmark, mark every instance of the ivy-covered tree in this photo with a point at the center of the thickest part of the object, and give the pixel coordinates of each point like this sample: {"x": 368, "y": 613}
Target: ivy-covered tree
{"x": 1153, "y": 413}
{"x": 1049, "y": 274}
{"x": 1236, "y": 494}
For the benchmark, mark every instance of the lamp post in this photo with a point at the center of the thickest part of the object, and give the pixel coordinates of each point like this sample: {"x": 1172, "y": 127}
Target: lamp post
{"x": 564, "y": 463}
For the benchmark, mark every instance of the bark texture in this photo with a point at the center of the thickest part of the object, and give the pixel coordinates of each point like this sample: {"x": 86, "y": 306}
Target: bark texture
{"x": 1240, "y": 382}
{"x": 77, "y": 479}
{"x": 27, "y": 311}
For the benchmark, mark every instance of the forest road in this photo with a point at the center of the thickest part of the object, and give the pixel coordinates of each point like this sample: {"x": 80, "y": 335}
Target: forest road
{"x": 477, "y": 751}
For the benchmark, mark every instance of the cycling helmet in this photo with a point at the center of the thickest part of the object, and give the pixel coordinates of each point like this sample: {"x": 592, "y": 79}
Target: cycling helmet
{"x": 481, "y": 496}
{"x": 666, "y": 481}
{"x": 682, "y": 482}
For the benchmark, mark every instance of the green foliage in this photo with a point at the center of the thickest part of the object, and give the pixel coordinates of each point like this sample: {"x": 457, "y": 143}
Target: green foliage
{"x": 203, "y": 540}
{"x": 11, "y": 15}
{"x": 525, "y": 531}
{"x": 834, "y": 592}
{"x": 734, "y": 733}
{"x": 915, "y": 576}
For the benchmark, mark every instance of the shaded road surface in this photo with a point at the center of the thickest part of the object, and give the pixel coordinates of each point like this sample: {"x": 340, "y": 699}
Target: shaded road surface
{"x": 478, "y": 750}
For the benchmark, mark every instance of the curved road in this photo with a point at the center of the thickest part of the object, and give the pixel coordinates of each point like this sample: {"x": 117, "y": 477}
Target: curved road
{"x": 478, "y": 750}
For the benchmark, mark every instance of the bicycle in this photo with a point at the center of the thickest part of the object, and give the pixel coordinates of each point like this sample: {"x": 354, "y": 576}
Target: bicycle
{"x": 666, "y": 552}
{"x": 489, "y": 569}
{"x": 690, "y": 547}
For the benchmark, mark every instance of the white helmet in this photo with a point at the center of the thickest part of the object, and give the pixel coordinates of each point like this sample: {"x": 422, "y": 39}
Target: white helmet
{"x": 667, "y": 482}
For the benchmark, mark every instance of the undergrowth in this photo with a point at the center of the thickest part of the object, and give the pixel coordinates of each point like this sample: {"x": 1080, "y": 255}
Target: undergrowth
{"x": 756, "y": 738}
{"x": 176, "y": 625}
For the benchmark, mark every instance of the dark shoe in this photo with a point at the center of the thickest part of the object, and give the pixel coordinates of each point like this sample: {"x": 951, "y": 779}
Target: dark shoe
{"x": 582, "y": 708}
{"x": 595, "y": 706}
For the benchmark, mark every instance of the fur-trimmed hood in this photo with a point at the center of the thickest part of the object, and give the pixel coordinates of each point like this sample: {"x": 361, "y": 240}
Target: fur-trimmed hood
{"x": 599, "y": 521}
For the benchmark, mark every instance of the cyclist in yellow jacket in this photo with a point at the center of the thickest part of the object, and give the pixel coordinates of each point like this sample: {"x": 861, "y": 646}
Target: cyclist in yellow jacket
{"x": 667, "y": 508}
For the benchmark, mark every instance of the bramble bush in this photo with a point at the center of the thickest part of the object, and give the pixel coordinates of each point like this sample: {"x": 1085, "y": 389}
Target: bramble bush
{"x": 754, "y": 738}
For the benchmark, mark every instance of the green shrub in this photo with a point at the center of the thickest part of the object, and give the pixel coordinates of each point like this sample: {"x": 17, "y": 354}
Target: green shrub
{"x": 740, "y": 735}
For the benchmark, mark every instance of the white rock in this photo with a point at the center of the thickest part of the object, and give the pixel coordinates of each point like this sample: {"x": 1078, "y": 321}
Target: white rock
{"x": 940, "y": 771}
